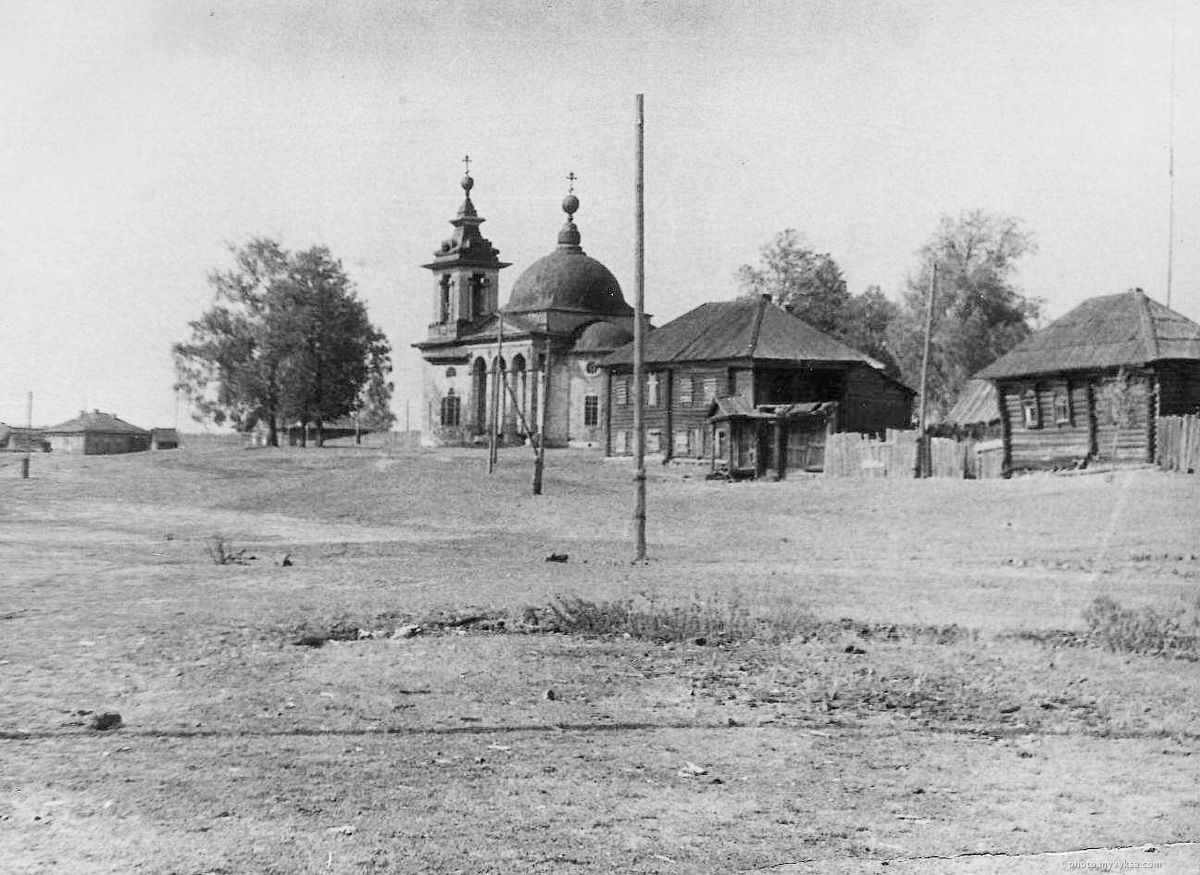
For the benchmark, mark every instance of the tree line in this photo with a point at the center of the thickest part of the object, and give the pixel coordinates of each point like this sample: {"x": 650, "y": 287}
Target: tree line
{"x": 285, "y": 342}
{"x": 979, "y": 312}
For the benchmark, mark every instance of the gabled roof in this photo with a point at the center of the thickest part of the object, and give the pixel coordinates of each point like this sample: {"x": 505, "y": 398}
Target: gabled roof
{"x": 96, "y": 423}
{"x": 745, "y": 328}
{"x": 978, "y": 403}
{"x": 1110, "y": 331}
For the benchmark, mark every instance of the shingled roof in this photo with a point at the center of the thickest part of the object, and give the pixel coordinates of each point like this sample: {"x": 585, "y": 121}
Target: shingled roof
{"x": 745, "y": 328}
{"x": 978, "y": 403}
{"x": 1110, "y": 331}
{"x": 95, "y": 423}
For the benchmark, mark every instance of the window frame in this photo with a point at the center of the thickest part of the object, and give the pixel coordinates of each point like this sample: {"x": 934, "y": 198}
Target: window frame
{"x": 591, "y": 411}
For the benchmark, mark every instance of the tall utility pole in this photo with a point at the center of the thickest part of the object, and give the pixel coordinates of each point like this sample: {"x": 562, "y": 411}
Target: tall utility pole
{"x": 1171, "y": 166}
{"x": 922, "y": 470}
{"x": 539, "y": 447}
{"x": 639, "y": 287}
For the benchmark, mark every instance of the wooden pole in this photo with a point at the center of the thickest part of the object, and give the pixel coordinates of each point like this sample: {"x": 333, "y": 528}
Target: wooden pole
{"x": 639, "y": 285}
{"x": 495, "y": 400}
{"x": 921, "y": 468}
{"x": 28, "y": 437}
{"x": 539, "y": 458}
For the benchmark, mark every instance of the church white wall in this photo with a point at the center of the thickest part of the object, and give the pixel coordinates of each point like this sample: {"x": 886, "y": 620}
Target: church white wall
{"x": 583, "y": 384}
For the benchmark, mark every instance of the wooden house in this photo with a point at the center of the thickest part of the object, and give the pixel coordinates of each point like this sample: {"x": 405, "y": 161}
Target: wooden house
{"x": 97, "y": 433}
{"x": 1090, "y": 385}
{"x": 752, "y": 350}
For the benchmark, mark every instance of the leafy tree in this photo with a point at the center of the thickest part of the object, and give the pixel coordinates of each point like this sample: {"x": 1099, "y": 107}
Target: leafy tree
{"x": 795, "y": 275}
{"x": 865, "y": 325}
{"x": 286, "y": 340}
{"x": 979, "y": 313}
{"x": 811, "y": 284}
{"x": 230, "y": 369}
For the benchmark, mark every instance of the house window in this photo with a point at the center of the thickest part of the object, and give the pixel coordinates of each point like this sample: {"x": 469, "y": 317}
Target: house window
{"x": 621, "y": 442}
{"x": 591, "y": 411}
{"x": 710, "y": 390}
{"x": 682, "y": 444}
{"x": 685, "y": 392}
{"x": 652, "y": 390}
{"x": 621, "y": 391}
{"x": 1030, "y": 409}
{"x": 451, "y": 409}
{"x": 654, "y": 441}
{"x": 1062, "y": 408}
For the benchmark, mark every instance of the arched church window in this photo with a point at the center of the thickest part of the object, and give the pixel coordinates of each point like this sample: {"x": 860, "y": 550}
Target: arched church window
{"x": 451, "y": 372}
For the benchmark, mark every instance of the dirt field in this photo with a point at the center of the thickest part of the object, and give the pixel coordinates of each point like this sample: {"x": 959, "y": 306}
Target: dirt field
{"x": 921, "y": 698}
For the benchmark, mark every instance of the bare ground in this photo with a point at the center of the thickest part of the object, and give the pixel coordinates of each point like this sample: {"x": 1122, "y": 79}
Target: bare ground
{"x": 935, "y": 710}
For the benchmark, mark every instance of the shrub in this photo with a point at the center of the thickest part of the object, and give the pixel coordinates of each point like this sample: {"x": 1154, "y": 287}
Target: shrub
{"x": 646, "y": 618}
{"x": 1145, "y": 630}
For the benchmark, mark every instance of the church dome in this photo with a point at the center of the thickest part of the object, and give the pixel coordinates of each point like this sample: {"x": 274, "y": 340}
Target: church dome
{"x": 568, "y": 279}
{"x": 602, "y": 337}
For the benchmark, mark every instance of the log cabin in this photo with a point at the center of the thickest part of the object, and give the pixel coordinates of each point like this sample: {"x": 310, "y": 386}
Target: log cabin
{"x": 1089, "y": 386}
{"x": 755, "y": 351}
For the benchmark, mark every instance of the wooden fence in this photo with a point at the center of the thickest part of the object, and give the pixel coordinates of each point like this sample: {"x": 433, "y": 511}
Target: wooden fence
{"x": 895, "y": 455}
{"x": 1177, "y": 444}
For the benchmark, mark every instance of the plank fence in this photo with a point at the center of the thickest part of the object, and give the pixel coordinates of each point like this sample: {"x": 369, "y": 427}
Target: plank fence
{"x": 895, "y": 455}
{"x": 1177, "y": 445}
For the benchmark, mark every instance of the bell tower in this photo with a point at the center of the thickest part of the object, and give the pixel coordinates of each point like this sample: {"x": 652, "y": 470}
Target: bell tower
{"x": 466, "y": 271}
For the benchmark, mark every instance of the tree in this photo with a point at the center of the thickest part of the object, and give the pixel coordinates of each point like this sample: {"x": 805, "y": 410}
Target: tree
{"x": 230, "y": 369}
{"x": 796, "y": 276}
{"x": 812, "y": 286}
{"x": 286, "y": 340}
{"x": 979, "y": 313}
{"x": 865, "y": 326}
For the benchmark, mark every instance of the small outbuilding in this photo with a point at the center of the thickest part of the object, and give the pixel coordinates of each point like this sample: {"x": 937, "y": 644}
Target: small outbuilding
{"x": 1091, "y": 385}
{"x": 164, "y": 439}
{"x": 750, "y": 441}
{"x": 97, "y": 433}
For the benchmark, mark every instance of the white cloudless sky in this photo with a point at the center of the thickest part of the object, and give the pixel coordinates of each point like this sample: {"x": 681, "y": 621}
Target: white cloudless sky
{"x": 139, "y": 140}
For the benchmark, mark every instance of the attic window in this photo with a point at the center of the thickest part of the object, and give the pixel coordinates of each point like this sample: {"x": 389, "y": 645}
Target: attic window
{"x": 1029, "y": 406}
{"x": 686, "y": 389}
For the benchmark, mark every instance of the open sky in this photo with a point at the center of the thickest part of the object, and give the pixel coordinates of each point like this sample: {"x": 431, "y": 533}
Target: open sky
{"x": 139, "y": 140}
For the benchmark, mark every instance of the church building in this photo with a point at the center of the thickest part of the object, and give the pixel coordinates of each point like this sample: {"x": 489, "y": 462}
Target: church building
{"x": 531, "y": 366}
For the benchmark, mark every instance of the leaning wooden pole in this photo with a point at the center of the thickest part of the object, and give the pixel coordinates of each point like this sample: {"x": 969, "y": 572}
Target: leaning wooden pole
{"x": 497, "y": 399}
{"x": 922, "y": 470}
{"x": 539, "y": 448}
{"x": 639, "y": 291}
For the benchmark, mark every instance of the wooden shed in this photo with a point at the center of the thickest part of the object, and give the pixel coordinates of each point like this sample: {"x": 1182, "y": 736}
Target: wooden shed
{"x": 752, "y": 441}
{"x": 1089, "y": 386}
{"x": 97, "y": 433}
{"x": 750, "y": 349}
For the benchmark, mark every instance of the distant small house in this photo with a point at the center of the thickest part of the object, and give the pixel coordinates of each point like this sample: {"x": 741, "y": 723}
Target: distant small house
{"x": 14, "y": 439}
{"x": 1061, "y": 402}
{"x": 164, "y": 439}
{"x": 752, "y": 350}
{"x": 97, "y": 433}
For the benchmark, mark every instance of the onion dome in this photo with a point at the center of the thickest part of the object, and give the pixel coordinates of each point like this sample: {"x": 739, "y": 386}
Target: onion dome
{"x": 567, "y": 279}
{"x": 602, "y": 337}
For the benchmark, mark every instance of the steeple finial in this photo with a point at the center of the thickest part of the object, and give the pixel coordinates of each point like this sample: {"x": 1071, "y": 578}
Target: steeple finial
{"x": 569, "y": 235}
